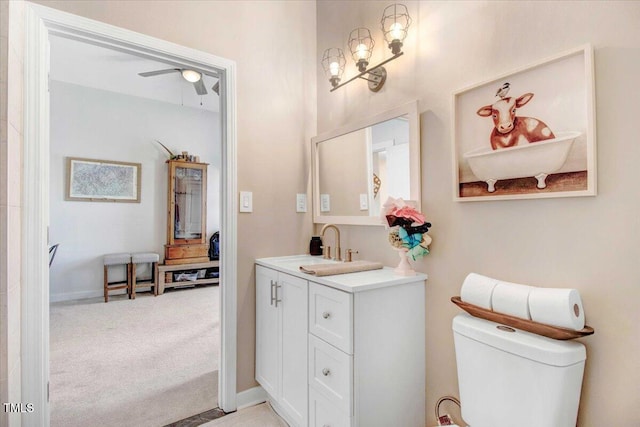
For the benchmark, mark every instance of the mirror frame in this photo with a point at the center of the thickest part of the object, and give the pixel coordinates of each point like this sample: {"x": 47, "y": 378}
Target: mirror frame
{"x": 411, "y": 111}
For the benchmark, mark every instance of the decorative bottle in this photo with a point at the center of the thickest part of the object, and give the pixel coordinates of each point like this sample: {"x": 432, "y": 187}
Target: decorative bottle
{"x": 315, "y": 246}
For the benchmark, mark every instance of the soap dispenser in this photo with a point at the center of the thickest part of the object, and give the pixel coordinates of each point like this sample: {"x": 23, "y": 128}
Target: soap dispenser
{"x": 315, "y": 246}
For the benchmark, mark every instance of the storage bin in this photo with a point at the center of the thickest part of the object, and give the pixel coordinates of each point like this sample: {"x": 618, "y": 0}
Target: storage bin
{"x": 185, "y": 276}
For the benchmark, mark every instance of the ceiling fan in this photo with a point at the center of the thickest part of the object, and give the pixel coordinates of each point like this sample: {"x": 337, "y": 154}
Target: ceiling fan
{"x": 189, "y": 75}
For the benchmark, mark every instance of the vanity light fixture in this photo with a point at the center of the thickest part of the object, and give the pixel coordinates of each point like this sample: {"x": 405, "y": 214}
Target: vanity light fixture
{"x": 361, "y": 47}
{"x": 395, "y": 23}
{"x": 333, "y": 63}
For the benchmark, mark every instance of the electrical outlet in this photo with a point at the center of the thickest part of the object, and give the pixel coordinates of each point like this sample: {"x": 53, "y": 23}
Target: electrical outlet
{"x": 325, "y": 203}
{"x": 301, "y": 202}
{"x": 364, "y": 202}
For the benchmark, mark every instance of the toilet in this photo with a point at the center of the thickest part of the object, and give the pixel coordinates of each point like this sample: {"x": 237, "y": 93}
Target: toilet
{"x": 508, "y": 377}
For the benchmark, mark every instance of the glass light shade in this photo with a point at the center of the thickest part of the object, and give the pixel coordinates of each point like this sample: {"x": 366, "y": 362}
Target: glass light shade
{"x": 395, "y": 23}
{"x": 361, "y": 47}
{"x": 191, "y": 75}
{"x": 333, "y": 63}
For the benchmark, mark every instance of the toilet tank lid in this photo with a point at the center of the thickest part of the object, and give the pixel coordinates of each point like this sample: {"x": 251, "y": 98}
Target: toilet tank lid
{"x": 521, "y": 343}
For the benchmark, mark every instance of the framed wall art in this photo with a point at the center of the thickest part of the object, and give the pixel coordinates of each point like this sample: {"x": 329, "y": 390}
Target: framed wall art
{"x": 529, "y": 133}
{"x": 92, "y": 180}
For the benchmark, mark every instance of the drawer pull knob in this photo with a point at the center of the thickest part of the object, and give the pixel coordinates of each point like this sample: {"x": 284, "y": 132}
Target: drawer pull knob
{"x": 326, "y": 372}
{"x": 326, "y": 425}
{"x": 326, "y": 314}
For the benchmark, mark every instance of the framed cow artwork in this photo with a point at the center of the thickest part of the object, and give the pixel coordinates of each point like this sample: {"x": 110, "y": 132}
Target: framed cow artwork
{"x": 529, "y": 133}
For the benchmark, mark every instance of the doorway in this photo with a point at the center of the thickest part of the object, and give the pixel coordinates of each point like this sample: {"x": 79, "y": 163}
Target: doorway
{"x": 42, "y": 22}
{"x": 164, "y": 347}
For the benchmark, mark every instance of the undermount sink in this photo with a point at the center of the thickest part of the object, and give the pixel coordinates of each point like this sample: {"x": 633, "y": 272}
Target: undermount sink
{"x": 295, "y": 261}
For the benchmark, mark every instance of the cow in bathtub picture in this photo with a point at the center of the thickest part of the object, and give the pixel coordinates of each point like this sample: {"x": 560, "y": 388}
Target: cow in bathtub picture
{"x": 510, "y": 130}
{"x": 520, "y": 146}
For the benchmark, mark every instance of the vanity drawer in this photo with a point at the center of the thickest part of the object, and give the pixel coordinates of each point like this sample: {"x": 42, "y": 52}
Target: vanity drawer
{"x": 331, "y": 316}
{"x": 331, "y": 373}
{"x": 323, "y": 413}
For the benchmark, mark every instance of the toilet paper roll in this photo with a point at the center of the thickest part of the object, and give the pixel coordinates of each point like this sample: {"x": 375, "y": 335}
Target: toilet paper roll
{"x": 477, "y": 290}
{"x": 557, "y": 307}
{"x": 512, "y": 299}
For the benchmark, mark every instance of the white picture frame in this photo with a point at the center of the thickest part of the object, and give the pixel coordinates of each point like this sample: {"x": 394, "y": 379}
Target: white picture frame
{"x": 563, "y": 100}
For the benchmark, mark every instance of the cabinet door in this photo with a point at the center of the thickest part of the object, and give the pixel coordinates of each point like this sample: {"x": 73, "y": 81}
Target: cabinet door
{"x": 292, "y": 291}
{"x": 324, "y": 413}
{"x": 267, "y": 332}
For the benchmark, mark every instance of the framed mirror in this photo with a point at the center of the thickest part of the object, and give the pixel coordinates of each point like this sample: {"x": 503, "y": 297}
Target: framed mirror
{"x": 356, "y": 167}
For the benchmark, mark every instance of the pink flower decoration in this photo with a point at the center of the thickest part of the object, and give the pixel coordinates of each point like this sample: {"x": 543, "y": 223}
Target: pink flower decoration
{"x": 410, "y": 213}
{"x": 400, "y": 209}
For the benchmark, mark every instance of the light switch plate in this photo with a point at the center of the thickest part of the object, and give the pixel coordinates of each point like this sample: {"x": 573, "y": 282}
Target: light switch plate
{"x": 325, "y": 203}
{"x": 246, "y": 201}
{"x": 364, "y": 202}
{"x": 301, "y": 202}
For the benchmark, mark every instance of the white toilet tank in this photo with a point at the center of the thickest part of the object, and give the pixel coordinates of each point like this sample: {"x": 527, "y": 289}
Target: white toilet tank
{"x": 509, "y": 377}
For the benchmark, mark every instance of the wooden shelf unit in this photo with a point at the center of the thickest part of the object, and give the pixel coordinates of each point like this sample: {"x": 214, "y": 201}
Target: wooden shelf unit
{"x": 164, "y": 268}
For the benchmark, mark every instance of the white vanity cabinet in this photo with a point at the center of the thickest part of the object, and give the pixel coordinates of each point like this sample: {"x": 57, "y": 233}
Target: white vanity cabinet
{"x": 281, "y": 341}
{"x": 364, "y": 338}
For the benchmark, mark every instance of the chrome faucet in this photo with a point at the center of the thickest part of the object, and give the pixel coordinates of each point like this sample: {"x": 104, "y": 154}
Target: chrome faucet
{"x": 327, "y": 252}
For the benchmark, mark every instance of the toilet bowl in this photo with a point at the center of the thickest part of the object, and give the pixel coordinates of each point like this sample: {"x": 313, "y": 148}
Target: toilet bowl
{"x": 508, "y": 377}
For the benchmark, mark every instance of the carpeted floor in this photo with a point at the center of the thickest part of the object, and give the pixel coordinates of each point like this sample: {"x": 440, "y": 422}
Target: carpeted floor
{"x": 144, "y": 362}
{"x": 255, "y": 416}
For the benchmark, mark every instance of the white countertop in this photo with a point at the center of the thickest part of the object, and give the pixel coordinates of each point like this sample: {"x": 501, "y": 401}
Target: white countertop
{"x": 350, "y": 282}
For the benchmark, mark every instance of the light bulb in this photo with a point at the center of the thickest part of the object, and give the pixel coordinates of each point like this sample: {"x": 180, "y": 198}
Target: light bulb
{"x": 334, "y": 68}
{"x": 361, "y": 51}
{"x": 396, "y": 31}
{"x": 191, "y": 75}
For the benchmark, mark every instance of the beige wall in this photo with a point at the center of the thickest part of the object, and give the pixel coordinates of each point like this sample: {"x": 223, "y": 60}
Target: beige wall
{"x": 273, "y": 44}
{"x": 586, "y": 243}
{"x": 11, "y": 60}
{"x": 589, "y": 243}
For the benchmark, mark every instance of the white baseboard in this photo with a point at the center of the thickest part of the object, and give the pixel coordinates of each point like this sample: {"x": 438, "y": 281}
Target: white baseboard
{"x": 69, "y": 296}
{"x": 251, "y": 397}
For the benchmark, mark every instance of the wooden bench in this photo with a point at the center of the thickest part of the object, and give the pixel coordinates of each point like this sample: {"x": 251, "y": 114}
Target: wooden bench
{"x": 164, "y": 268}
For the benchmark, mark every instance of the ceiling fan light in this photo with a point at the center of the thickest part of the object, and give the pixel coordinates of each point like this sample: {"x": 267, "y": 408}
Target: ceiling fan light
{"x": 191, "y": 75}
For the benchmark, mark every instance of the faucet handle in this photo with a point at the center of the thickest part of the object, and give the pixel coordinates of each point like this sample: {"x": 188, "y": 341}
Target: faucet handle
{"x": 326, "y": 252}
{"x": 349, "y": 253}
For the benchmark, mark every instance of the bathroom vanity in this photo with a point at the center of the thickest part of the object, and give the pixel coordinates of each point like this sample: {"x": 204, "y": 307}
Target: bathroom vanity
{"x": 340, "y": 351}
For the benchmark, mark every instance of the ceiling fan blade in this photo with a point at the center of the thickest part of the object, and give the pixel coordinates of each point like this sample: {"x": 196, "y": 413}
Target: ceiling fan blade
{"x": 200, "y": 89}
{"x": 216, "y": 88}
{"x": 158, "y": 72}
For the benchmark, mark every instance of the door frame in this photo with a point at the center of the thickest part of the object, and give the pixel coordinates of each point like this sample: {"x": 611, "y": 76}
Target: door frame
{"x": 40, "y": 22}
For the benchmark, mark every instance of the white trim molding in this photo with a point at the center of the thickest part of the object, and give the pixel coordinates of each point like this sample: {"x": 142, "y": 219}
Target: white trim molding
{"x": 40, "y": 23}
{"x": 34, "y": 318}
{"x": 251, "y": 397}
